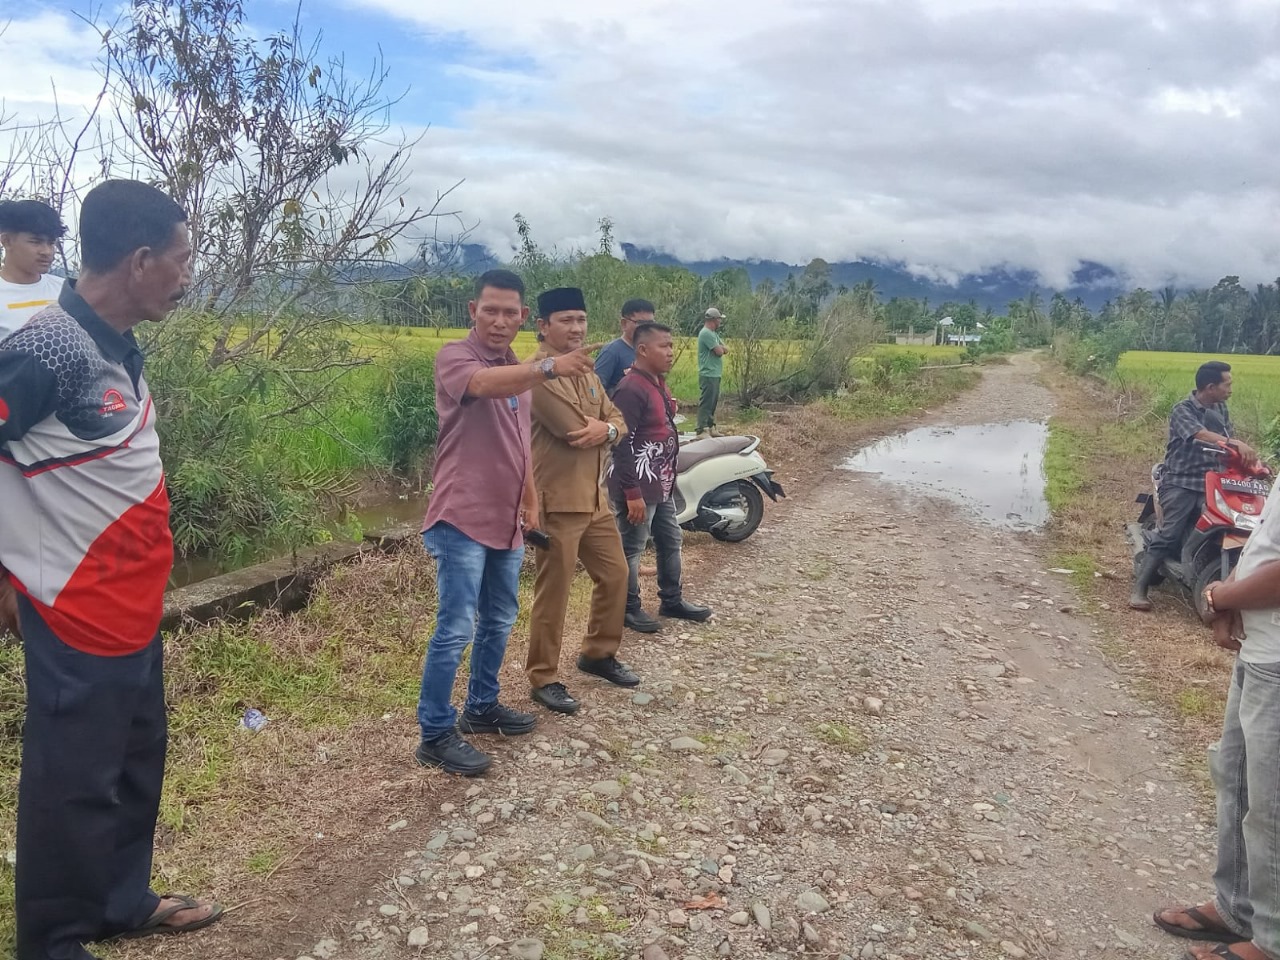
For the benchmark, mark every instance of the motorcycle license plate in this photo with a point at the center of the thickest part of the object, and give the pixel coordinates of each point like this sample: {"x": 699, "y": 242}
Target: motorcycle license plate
{"x": 1231, "y": 541}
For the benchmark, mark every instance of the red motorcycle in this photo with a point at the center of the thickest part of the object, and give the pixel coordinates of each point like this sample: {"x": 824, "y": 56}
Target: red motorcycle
{"x": 1233, "y": 500}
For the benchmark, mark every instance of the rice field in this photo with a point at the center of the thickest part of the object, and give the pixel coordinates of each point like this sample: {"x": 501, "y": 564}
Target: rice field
{"x": 379, "y": 341}
{"x": 1255, "y": 397}
{"x": 932, "y": 355}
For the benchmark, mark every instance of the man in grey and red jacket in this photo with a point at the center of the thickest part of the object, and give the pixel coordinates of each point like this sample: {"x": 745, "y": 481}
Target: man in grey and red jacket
{"x": 642, "y": 476}
{"x": 85, "y": 546}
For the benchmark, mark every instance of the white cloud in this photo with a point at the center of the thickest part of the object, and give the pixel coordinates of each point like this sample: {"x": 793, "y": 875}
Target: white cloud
{"x": 953, "y": 135}
{"x": 46, "y": 60}
{"x": 950, "y": 135}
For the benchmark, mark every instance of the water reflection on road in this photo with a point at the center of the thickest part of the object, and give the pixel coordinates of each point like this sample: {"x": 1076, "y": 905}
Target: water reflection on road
{"x": 994, "y": 470}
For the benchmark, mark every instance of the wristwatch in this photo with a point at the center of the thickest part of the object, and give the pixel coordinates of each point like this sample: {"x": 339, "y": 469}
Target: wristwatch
{"x": 548, "y": 368}
{"x": 613, "y": 433}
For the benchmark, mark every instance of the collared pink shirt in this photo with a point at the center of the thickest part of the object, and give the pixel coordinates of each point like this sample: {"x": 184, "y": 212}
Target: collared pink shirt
{"x": 482, "y": 449}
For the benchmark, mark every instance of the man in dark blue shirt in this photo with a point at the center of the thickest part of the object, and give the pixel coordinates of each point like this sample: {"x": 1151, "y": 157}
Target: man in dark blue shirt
{"x": 616, "y": 358}
{"x": 1198, "y": 421}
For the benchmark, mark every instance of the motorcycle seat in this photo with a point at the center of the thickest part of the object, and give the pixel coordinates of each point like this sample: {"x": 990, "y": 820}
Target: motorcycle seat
{"x": 695, "y": 451}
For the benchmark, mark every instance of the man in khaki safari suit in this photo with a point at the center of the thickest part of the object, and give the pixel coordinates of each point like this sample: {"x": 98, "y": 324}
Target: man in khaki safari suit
{"x": 575, "y": 425}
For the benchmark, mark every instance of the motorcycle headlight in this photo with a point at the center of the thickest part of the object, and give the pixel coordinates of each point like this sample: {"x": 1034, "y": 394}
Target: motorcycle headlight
{"x": 1242, "y": 521}
{"x": 1220, "y": 503}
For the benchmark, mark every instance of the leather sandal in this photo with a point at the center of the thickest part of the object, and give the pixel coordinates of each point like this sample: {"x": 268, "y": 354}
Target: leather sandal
{"x": 156, "y": 925}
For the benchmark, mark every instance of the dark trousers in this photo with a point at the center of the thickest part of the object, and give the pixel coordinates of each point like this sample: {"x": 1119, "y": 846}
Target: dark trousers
{"x": 660, "y": 523}
{"x": 708, "y": 400}
{"x": 1180, "y": 508}
{"x": 93, "y": 752}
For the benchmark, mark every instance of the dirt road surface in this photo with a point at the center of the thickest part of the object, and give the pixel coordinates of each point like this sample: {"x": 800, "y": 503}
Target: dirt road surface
{"x": 897, "y": 738}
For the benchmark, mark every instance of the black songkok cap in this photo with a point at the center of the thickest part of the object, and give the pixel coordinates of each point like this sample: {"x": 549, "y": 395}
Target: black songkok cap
{"x": 561, "y": 298}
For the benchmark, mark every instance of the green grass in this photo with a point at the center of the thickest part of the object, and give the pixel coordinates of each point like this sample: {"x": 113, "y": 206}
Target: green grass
{"x": 1197, "y": 703}
{"x": 1063, "y": 456}
{"x": 344, "y": 438}
{"x": 927, "y": 354}
{"x": 842, "y": 737}
{"x": 565, "y": 940}
{"x": 264, "y": 862}
{"x": 1083, "y": 566}
{"x": 1169, "y": 377}
{"x": 378, "y": 342}
{"x": 325, "y": 680}
{"x": 901, "y": 395}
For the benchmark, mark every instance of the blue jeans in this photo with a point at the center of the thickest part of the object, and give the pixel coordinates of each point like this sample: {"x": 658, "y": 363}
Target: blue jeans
{"x": 659, "y": 523}
{"x": 479, "y": 592}
{"x": 1247, "y": 776}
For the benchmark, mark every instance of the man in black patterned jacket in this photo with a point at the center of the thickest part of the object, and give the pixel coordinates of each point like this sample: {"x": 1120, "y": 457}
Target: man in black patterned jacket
{"x": 642, "y": 476}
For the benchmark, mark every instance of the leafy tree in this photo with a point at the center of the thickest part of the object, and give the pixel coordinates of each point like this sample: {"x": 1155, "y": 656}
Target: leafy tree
{"x": 280, "y": 158}
{"x": 905, "y": 313}
{"x": 814, "y": 288}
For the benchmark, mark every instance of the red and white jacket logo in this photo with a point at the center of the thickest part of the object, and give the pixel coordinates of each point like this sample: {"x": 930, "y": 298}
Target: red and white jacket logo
{"x": 112, "y": 402}
{"x": 4, "y": 412}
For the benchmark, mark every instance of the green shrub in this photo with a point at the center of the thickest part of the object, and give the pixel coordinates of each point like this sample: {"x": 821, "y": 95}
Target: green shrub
{"x": 1099, "y": 352}
{"x": 889, "y": 370}
{"x": 404, "y": 411}
{"x": 996, "y": 340}
{"x": 238, "y": 470}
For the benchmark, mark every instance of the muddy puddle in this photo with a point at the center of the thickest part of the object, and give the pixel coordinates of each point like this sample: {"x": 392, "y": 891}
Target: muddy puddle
{"x": 994, "y": 471}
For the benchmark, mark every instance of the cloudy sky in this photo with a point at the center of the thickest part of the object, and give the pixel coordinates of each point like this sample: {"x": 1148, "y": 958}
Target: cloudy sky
{"x": 950, "y": 135}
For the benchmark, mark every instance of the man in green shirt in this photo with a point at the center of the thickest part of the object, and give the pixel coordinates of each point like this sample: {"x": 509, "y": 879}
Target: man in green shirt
{"x": 711, "y": 351}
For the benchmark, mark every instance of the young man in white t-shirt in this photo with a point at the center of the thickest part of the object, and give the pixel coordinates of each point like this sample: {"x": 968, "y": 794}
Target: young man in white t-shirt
{"x": 30, "y": 232}
{"x": 1245, "y": 762}
{"x": 29, "y": 235}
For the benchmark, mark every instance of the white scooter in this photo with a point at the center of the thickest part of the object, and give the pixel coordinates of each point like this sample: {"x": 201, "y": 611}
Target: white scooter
{"x": 719, "y": 482}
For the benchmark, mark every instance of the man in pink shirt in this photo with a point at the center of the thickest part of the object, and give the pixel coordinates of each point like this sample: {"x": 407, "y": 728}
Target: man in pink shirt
{"x": 482, "y": 502}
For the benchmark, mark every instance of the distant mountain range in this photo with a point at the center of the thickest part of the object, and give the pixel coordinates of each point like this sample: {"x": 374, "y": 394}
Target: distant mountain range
{"x": 1093, "y": 283}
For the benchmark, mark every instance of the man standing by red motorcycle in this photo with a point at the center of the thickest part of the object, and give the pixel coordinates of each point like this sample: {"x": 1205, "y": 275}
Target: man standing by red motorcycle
{"x": 1199, "y": 421}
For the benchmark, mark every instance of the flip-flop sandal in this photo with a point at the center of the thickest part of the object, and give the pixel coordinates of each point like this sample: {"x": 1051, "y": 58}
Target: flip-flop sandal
{"x": 1209, "y": 930}
{"x": 156, "y": 926}
{"x": 1222, "y": 950}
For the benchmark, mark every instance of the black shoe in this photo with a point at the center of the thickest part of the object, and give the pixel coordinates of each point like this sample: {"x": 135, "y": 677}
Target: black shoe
{"x": 640, "y": 622}
{"x": 684, "y": 610}
{"x": 452, "y": 754}
{"x": 555, "y": 697}
{"x": 498, "y": 719}
{"x": 608, "y": 668}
